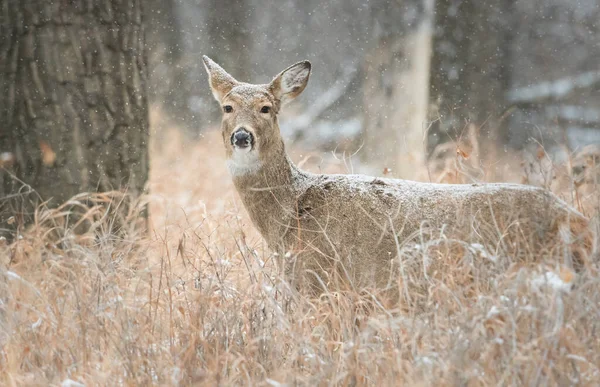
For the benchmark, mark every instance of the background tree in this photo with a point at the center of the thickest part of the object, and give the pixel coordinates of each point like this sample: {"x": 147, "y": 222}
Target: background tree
{"x": 168, "y": 67}
{"x": 395, "y": 87}
{"x": 471, "y": 69}
{"x": 555, "y": 82}
{"x": 227, "y": 24}
{"x": 73, "y": 107}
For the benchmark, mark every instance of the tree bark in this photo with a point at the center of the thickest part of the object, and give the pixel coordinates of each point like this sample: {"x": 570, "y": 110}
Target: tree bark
{"x": 470, "y": 72}
{"x": 73, "y": 107}
{"x": 396, "y": 88}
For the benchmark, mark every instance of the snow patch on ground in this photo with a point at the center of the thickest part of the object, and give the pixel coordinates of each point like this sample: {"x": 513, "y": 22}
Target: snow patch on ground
{"x": 71, "y": 383}
{"x": 552, "y": 280}
{"x": 480, "y": 251}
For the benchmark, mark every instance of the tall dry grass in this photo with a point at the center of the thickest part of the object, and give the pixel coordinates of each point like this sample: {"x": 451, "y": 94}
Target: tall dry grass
{"x": 197, "y": 301}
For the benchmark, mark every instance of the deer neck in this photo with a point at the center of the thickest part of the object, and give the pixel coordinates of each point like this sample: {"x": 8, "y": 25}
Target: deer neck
{"x": 269, "y": 194}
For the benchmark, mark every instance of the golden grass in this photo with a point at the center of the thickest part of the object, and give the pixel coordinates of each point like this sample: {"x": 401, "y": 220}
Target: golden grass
{"x": 197, "y": 301}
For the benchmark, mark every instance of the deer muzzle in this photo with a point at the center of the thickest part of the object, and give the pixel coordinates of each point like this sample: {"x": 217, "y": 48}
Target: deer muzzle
{"x": 242, "y": 139}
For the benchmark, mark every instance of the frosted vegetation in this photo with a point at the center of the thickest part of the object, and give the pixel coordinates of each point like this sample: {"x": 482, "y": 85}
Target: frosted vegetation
{"x": 199, "y": 301}
{"x": 128, "y": 258}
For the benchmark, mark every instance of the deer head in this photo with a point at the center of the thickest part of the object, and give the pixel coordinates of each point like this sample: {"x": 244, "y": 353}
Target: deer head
{"x": 249, "y": 127}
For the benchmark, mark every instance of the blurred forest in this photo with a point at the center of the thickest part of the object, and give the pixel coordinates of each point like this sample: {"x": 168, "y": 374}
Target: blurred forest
{"x": 399, "y": 83}
{"x": 397, "y": 77}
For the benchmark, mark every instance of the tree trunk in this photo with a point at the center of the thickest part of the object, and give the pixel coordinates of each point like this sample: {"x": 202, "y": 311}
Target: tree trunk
{"x": 169, "y": 83}
{"x": 470, "y": 72}
{"x": 557, "y": 86}
{"x": 229, "y": 36}
{"x": 396, "y": 88}
{"x": 73, "y": 107}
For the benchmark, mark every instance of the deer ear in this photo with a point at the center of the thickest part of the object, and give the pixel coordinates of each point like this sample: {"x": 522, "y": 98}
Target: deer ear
{"x": 220, "y": 81}
{"x": 290, "y": 82}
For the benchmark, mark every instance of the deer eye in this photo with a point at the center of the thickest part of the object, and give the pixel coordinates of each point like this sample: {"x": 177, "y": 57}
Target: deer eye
{"x": 265, "y": 109}
{"x": 227, "y": 108}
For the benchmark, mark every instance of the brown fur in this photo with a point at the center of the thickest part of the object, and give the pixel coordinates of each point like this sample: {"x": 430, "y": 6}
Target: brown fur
{"x": 352, "y": 227}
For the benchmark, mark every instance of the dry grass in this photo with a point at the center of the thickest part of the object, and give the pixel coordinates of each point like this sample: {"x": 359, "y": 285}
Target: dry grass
{"x": 198, "y": 302}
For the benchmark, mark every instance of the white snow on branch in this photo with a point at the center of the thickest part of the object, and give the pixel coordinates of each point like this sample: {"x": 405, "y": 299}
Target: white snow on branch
{"x": 575, "y": 113}
{"x": 329, "y": 133}
{"x": 578, "y": 137}
{"x": 556, "y": 89}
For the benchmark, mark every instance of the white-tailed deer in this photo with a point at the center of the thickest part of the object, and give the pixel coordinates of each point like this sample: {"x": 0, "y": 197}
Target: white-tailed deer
{"x": 352, "y": 225}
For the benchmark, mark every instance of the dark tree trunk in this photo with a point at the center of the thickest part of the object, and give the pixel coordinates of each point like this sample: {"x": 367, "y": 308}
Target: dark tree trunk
{"x": 168, "y": 75}
{"x": 229, "y": 36}
{"x": 555, "y": 44}
{"x": 229, "y": 42}
{"x": 470, "y": 70}
{"x": 73, "y": 108}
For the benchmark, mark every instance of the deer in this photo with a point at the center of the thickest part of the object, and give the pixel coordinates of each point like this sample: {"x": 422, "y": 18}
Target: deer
{"x": 349, "y": 226}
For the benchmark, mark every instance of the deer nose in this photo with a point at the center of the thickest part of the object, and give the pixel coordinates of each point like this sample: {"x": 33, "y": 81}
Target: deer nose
{"x": 241, "y": 138}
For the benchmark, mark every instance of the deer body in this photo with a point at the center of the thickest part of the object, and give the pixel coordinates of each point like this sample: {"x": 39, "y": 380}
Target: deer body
{"x": 352, "y": 225}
